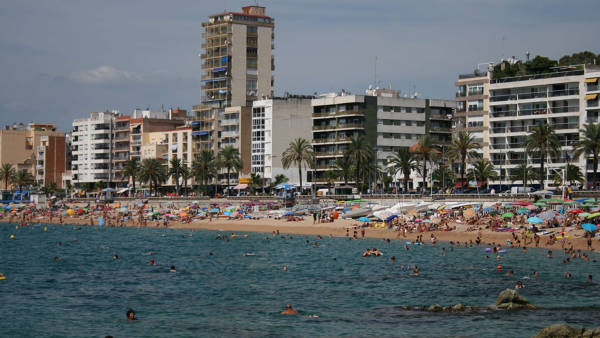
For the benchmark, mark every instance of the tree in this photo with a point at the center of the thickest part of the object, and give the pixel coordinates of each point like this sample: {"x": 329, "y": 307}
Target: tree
{"x": 255, "y": 181}
{"x": 523, "y": 172}
{"x": 131, "y": 170}
{"x": 175, "y": 172}
{"x": 51, "y": 188}
{"x": 543, "y": 141}
{"x": 299, "y": 151}
{"x": 482, "y": 171}
{"x": 23, "y": 178}
{"x": 445, "y": 176}
{"x": 229, "y": 157}
{"x": 330, "y": 177}
{"x": 345, "y": 168}
{"x": 359, "y": 153}
{"x": 7, "y": 174}
{"x": 185, "y": 176}
{"x": 152, "y": 171}
{"x": 539, "y": 65}
{"x": 574, "y": 174}
{"x": 462, "y": 148}
{"x": 281, "y": 178}
{"x": 402, "y": 161}
{"x": 204, "y": 167}
{"x": 589, "y": 144}
{"x": 426, "y": 150}
{"x": 100, "y": 185}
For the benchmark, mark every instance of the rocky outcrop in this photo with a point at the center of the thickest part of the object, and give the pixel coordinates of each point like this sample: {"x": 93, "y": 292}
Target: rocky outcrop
{"x": 510, "y": 299}
{"x": 565, "y": 331}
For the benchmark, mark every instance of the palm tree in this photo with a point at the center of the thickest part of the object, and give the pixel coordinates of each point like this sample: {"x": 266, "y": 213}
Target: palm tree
{"x": 330, "y": 176}
{"x": 445, "y": 176}
{"x": 462, "y": 148}
{"x": 153, "y": 172}
{"x": 345, "y": 167}
{"x": 175, "y": 172}
{"x": 543, "y": 141}
{"x": 427, "y": 151}
{"x": 22, "y": 178}
{"x": 482, "y": 171}
{"x": 359, "y": 153}
{"x": 523, "y": 172}
{"x": 204, "y": 167}
{"x": 131, "y": 170}
{"x": 574, "y": 174}
{"x": 402, "y": 161}
{"x": 229, "y": 157}
{"x": 281, "y": 178}
{"x": 7, "y": 174}
{"x": 255, "y": 181}
{"x": 299, "y": 151}
{"x": 589, "y": 144}
{"x": 185, "y": 175}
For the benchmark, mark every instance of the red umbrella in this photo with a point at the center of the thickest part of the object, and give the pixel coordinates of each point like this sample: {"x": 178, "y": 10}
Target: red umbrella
{"x": 576, "y": 211}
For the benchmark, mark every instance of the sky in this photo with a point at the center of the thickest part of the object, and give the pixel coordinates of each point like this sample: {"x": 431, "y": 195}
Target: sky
{"x": 62, "y": 59}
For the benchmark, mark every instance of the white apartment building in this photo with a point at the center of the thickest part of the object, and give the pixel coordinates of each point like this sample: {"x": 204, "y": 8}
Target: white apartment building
{"x": 519, "y": 103}
{"x": 592, "y": 109}
{"x": 92, "y": 140}
{"x": 275, "y": 123}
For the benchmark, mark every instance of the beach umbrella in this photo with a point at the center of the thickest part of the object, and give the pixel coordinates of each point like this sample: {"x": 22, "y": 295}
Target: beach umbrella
{"x": 523, "y": 211}
{"x": 534, "y": 220}
{"x": 583, "y": 214}
{"x": 70, "y": 212}
{"x": 575, "y": 211}
{"x": 507, "y": 215}
{"x": 364, "y": 219}
{"x": 589, "y": 227}
{"x": 541, "y": 204}
{"x": 183, "y": 214}
{"x": 389, "y": 218}
{"x": 546, "y": 215}
{"x": 596, "y": 214}
{"x": 487, "y": 209}
{"x": 290, "y": 213}
{"x": 569, "y": 202}
{"x": 228, "y": 213}
{"x": 214, "y": 210}
{"x": 531, "y": 207}
{"x": 494, "y": 212}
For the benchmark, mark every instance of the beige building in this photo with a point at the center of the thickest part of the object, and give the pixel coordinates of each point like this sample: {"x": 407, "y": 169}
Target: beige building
{"x": 472, "y": 109}
{"x": 37, "y": 148}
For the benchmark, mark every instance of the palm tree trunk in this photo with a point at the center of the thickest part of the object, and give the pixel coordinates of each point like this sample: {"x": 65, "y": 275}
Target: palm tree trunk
{"x": 300, "y": 175}
{"x": 358, "y": 175}
{"x": 228, "y": 170}
{"x": 542, "y": 178}
{"x": 462, "y": 174}
{"x": 406, "y": 177}
{"x": 133, "y": 179}
{"x": 594, "y": 180}
{"x": 424, "y": 172}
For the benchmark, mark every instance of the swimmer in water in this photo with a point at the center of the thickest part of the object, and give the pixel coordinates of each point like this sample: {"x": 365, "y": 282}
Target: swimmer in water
{"x": 289, "y": 310}
{"x": 510, "y": 273}
{"x": 173, "y": 268}
{"x": 131, "y": 315}
{"x": 568, "y": 275}
{"x": 589, "y": 278}
{"x": 536, "y": 274}
{"x": 116, "y": 257}
{"x": 152, "y": 261}
{"x": 284, "y": 268}
{"x": 415, "y": 271}
{"x": 519, "y": 285}
{"x": 549, "y": 255}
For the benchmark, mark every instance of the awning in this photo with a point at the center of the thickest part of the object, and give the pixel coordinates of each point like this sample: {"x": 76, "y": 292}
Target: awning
{"x": 241, "y": 186}
{"x": 591, "y": 96}
{"x": 591, "y": 80}
{"x": 122, "y": 190}
{"x": 199, "y": 133}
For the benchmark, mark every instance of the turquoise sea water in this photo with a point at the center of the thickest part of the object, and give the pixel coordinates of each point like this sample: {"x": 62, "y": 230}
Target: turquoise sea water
{"x": 87, "y": 293}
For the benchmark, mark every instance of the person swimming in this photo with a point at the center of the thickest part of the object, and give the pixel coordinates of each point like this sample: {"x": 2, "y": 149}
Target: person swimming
{"x": 289, "y": 310}
{"x": 510, "y": 273}
{"x": 519, "y": 285}
{"x": 131, "y": 315}
{"x": 173, "y": 269}
{"x": 152, "y": 261}
{"x": 415, "y": 271}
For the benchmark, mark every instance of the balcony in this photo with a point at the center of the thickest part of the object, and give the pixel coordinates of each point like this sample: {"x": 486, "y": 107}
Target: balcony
{"x": 329, "y": 154}
{"x": 339, "y": 113}
{"x": 534, "y": 95}
{"x": 230, "y": 122}
{"x": 332, "y": 140}
{"x": 229, "y": 134}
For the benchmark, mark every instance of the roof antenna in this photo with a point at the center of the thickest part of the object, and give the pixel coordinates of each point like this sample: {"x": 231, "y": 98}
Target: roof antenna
{"x": 375, "y": 75}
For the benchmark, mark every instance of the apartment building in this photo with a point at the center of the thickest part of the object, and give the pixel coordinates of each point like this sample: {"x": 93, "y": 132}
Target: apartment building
{"x": 38, "y": 148}
{"x": 275, "y": 123}
{"x": 387, "y": 120}
{"x": 92, "y": 145}
{"x": 558, "y": 98}
{"x": 472, "y": 109}
{"x": 592, "y": 110}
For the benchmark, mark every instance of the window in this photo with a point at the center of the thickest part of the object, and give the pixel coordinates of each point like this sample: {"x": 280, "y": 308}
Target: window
{"x": 252, "y": 29}
{"x": 251, "y": 86}
{"x": 476, "y": 89}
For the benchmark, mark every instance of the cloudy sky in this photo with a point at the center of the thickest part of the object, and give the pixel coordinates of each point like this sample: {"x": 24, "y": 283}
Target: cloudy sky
{"x": 61, "y": 59}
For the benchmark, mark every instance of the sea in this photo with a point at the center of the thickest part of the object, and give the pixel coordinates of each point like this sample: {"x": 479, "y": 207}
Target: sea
{"x": 238, "y": 287}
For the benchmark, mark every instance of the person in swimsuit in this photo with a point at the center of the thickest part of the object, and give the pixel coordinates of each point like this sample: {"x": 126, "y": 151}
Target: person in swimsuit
{"x": 289, "y": 310}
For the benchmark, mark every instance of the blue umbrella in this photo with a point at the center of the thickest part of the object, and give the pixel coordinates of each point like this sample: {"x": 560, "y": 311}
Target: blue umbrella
{"x": 487, "y": 209}
{"x": 589, "y": 227}
{"x": 288, "y": 213}
{"x": 214, "y": 210}
{"x": 364, "y": 219}
{"x": 535, "y": 220}
{"x": 390, "y": 218}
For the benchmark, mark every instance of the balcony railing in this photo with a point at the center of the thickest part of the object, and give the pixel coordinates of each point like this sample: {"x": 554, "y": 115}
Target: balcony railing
{"x": 338, "y": 113}
{"x": 331, "y": 140}
{"x": 534, "y": 95}
{"x": 329, "y": 153}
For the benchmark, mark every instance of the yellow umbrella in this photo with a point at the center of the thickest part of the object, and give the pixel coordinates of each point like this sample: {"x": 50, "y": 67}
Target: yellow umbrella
{"x": 70, "y": 212}
{"x": 469, "y": 213}
{"x": 183, "y": 214}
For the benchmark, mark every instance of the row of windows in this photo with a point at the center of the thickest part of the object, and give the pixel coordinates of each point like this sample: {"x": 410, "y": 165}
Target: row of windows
{"x": 401, "y": 109}
{"x": 398, "y": 136}
{"x": 401, "y": 123}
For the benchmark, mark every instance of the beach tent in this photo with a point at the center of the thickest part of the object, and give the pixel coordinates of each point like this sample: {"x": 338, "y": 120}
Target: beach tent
{"x": 535, "y": 220}
{"x": 364, "y": 219}
{"x": 589, "y": 227}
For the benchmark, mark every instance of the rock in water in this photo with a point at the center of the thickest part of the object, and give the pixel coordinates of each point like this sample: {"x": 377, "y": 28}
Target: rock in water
{"x": 458, "y": 307}
{"x": 434, "y": 308}
{"x": 563, "y": 331}
{"x": 510, "y": 299}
